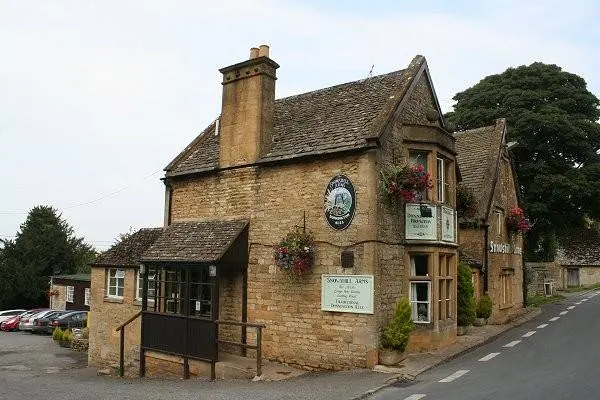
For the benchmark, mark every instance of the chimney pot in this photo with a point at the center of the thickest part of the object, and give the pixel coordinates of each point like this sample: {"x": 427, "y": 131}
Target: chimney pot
{"x": 254, "y": 53}
{"x": 263, "y": 50}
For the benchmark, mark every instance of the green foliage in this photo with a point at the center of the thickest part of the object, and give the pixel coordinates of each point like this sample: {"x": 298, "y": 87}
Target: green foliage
{"x": 44, "y": 246}
{"x": 465, "y": 299}
{"x": 67, "y": 335}
{"x": 57, "y": 334}
{"x": 553, "y": 119}
{"x": 396, "y": 333}
{"x": 466, "y": 202}
{"x": 484, "y": 307}
{"x": 538, "y": 300}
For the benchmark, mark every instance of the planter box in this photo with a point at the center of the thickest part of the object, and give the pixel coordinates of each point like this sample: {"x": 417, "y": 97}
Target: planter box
{"x": 480, "y": 322}
{"x": 390, "y": 357}
{"x": 64, "y": 343}
{"x": 461, "y": 330}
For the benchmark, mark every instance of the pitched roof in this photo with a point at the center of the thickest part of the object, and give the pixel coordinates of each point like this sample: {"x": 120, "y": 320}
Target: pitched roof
{"x": 337, "y": 118}
{"x": 478, "y": 154}
{"x": 194, "y": 241}
{"x": 470, "y": 261}
{"x": 128, "y": 251}
{"x": 579, "y": 247}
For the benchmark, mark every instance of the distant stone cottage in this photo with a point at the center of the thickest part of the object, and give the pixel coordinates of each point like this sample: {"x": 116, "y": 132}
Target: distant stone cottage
{"x": 260, "y": 171}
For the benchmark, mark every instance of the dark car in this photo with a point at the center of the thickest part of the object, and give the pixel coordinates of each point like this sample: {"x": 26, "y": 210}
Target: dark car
{"x": 73, "y": 319}
{"x": 42, "y": 325}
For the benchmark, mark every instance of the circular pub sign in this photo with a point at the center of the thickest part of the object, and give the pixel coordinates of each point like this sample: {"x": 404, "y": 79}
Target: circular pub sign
{"x": 340, "y": 202}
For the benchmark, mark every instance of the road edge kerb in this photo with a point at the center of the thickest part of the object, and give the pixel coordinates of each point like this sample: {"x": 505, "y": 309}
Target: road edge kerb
{"x": 526, "y": 317}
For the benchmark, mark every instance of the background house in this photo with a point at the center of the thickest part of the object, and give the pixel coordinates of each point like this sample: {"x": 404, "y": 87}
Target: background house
{"x": 579, "y": 256}
{"x": 486, "y": 168}
{"x": 70, "y": 292}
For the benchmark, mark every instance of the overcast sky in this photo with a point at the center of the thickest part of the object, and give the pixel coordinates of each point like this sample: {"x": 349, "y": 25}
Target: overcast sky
{"x": 97, "y": 97}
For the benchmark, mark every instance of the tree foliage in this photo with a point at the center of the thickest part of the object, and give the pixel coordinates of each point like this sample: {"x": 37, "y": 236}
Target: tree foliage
{"x": 44, "y": 246}
{"x": 553, "y": 119}
{"x": 465, "y": 296}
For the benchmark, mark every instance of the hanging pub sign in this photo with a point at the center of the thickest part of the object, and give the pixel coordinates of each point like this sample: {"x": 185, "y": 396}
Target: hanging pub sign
{"x": 420, "y": 222}
{"x": 448, "y": 224}
{"x": 339, "y": 202}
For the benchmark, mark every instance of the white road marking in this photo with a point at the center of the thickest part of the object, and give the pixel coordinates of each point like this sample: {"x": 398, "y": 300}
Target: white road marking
{"x": 416, "y": 396}
{"x": 542, "y": 326}
{"x": 578, "y": 303}
{"x": 454, "y": 376}
{"x": 563, "y": 313}
{"x": 512, "y": 344}
{"x": 528, "y": 334}
{"x": 584, "y": 300}
{"x": 489, "y": 357}
{"x": 570, "y": 307}
{"x": 554, "y": 319}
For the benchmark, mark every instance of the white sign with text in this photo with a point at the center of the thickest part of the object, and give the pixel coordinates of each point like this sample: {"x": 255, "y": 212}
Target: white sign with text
{"x": 448, "y": 224}
{"x": 420, "y": 222}
{"x": 347, "y": 293}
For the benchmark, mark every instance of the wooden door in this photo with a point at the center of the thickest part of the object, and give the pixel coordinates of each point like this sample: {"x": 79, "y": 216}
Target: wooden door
{"x": 572, "y": 276}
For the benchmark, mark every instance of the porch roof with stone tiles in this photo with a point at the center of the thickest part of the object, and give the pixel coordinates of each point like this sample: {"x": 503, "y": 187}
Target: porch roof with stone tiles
{"x": 127, "y": 253}
{"x": 579, "y": 247}
{"x": 337, "y": 118}
{"x": 194, "y": 241}
{"x": 478, "y": 153}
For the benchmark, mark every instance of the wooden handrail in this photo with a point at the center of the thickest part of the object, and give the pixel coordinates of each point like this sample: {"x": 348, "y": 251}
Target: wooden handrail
{"x": 122, "y": 342}
{"x": 130, "y": 320}
{"x": 257, "y": 347}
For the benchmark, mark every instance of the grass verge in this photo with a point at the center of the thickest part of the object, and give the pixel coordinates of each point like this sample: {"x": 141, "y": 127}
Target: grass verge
{"x": 538, "y": 300}
{"x": 581, "y": 288}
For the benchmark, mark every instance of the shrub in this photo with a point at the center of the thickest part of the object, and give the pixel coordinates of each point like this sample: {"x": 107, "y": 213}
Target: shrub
{"x": 57, "y": 334}
{"x": 465, "y": 299}
{"x": 67, "y": 335}
{"x": 484, "y": 307}
{"x": 397, "y": 332}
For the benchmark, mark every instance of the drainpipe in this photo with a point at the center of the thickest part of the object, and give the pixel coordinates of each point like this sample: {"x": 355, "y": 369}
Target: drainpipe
{"x": 485, "y": 258}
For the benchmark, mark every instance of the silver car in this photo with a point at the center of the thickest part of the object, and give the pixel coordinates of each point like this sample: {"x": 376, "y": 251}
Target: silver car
{"x": 26, "y": 323}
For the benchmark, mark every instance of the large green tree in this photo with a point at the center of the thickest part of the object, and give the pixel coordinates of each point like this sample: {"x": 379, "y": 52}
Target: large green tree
{"x": 45, "y": 245}
{"x": 552, "y": 117}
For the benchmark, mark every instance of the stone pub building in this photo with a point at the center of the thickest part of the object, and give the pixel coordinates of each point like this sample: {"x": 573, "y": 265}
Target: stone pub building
{"x": 265, "y": 168}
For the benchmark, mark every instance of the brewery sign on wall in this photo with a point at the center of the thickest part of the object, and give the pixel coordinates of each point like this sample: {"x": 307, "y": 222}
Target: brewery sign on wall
{"x": 339, "y": 202}
{"x": 347, "y": 293}
{"x": 420, "y": 222}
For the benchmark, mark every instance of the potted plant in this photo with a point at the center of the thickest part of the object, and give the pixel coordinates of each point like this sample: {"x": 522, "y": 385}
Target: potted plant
{"x": 396, "y": 333}
{"x": 66, "y": 338}
{"x": 484, "y": 310}
{"x": 405, "y": 183}
{"x": 295, "y": 252}
{"x": 57, "y": 334}
{"x": 465, "y": 299}
{"x": 516, "y": 221}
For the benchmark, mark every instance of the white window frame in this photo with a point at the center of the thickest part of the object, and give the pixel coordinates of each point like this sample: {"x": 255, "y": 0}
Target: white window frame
{"x": 138, "y": 283}
{"x": 499, "y": 221}
{"x": 441, "y": 180}
{"x": 415, "y": 318}
{"x": 86, "y": 296}
{"x": 112, "y": 274}
{"x": 70, "y": 293}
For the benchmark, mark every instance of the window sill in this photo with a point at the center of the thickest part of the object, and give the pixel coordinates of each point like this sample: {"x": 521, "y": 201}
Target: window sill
{"x": 138, "y": 302}
{"x": 118, "y": 300}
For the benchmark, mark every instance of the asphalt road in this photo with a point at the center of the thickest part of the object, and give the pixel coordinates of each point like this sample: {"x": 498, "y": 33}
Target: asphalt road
{"x": 556, "y": 356}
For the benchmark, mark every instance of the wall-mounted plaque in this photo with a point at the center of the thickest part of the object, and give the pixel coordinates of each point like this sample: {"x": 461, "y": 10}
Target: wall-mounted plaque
{"x": 448, "y": 231}
{"x": 420, "y": 222}
{"x": 340, "y": 202}
{"x": 347, "y": 293}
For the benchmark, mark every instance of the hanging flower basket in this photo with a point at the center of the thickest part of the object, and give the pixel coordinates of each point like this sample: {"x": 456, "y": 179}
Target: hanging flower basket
{"x": 405, "y": 183}
{"x": 295, "y": 253}
{"x": 516, "y": 221}
{"x": 52, "y": 293}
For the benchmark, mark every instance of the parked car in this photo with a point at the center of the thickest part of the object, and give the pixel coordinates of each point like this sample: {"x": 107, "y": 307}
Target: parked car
{"x": 42, "y": 325}
{"x": 11, "y": 324}
{"x": 74, "y": 319}
{"x": 26, "y": 322}
{"x": 7, "y": 314}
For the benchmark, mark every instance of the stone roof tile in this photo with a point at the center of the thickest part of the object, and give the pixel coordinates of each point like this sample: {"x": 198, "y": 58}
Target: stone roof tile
{"x": 194, "y": 241}
{"x": 128, "y": 251}
{"x": 579, "y": 247}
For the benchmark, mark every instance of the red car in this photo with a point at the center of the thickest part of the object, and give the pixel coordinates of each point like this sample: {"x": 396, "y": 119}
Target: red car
{"x": 12, "y": 324}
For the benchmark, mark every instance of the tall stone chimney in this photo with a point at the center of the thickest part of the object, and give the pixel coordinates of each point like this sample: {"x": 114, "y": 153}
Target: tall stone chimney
{"x": 246, "y": 125}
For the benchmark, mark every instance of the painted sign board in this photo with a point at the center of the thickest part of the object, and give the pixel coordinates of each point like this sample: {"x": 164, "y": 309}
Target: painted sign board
{"x": 448, "y": 230}
{"x": 347, "y": 293}
{"x": 420, "y": 222}
{"x": 339, "y": 202}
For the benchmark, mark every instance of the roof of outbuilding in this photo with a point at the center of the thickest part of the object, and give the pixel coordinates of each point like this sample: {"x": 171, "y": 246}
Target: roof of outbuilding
{"x": 579, "y": 247}
{"x": 194, "y": 241}
{"x": 478, "y": 154}
{"x": 74, "y": 277}
{"x": 338, "y": 118}
{"x": 128, "y": 251}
